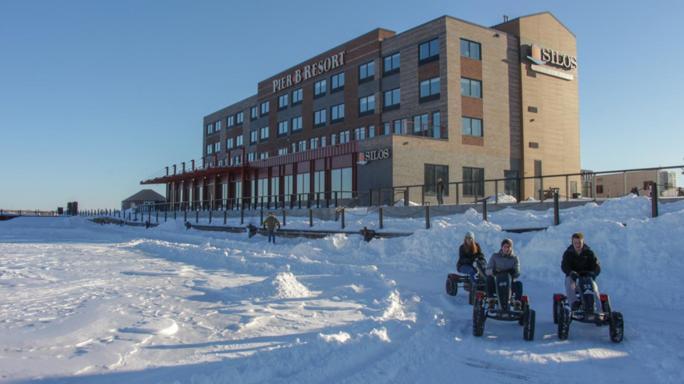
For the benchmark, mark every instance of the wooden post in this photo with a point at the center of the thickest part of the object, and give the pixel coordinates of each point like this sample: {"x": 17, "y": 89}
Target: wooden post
{"x": 654, "y": 200}
{"x": 484, "y": 209}
{"x": 427, "y": 217}
{"x": 380, "y": 217}
{"x": 225, "y": 216}
{"x": 310, "y": 217}
{"x": 196, "y": 215}
{"x": 556, "y": 208}
{"x": 342, "y": 218}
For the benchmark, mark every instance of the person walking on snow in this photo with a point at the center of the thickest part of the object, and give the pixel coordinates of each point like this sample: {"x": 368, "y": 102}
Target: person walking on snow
{"x": 270, "y": 224}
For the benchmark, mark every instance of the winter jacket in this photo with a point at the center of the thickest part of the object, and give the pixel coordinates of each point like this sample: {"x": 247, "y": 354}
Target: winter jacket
{"x": 585, "y": 262}
{"x": 502, "y": 263}
{"x": 271, "y": 222}
{"x": 467, "y": 257}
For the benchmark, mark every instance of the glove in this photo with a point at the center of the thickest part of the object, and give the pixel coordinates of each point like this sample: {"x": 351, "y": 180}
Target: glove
{"x": 573, "y": 275}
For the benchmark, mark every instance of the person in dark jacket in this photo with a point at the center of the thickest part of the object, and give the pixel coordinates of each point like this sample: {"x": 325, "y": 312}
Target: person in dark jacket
{"x": 504, "y": 262}
{"x": 579, "y": 260}
{"x": 270, "y": 225}
{"x": 471, "y": 260}
{"x": 439, "y": 188}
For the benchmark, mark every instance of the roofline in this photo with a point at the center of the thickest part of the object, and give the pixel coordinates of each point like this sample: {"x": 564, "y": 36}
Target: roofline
{"x": 537, "y": 14}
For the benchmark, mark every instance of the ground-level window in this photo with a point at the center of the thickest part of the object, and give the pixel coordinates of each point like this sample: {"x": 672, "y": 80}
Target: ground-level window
{"x": 473, "y": 181}
{"x": 303, "y": 185}
{"x": 341, "y": 182}
{"x": 434, "y": 172}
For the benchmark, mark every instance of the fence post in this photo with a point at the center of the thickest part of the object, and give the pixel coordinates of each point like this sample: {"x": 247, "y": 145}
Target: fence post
{"x": 225, "y": 216}
{"x": 422, "y": 194}
{"x": 427, "y": 217}
{"x": 157, "y": 212}
{"x": 210, "y": 211}
{"x": 185, "y": 216}
{"x": 336, "y": 202}
{"x": 370, "y": 197}
{"x": 654, "y": 200}
{"x": 284, "y": 218}
{"x": 556, "y": 208}
{"x": 242, "y": 214}
{"x": 380, "y": 217}
{"x": 165, "y": 215}
{"x": 261, "y": 216}
{"x": 406, "y": 197}
{"x": 496, "y": 192}
{"x": 310, "y": 217}
{"x": 342, "y": 212}
{"x": 457, "y": 193}
{"x": 484, "y": 209}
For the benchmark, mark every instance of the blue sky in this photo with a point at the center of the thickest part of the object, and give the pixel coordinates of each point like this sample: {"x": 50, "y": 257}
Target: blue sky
{"x": 95, "y": 96}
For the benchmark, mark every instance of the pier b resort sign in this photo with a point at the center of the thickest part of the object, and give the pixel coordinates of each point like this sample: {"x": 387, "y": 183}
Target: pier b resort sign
{"x": 542, "y": 58}
{"x": 308, "y": 71}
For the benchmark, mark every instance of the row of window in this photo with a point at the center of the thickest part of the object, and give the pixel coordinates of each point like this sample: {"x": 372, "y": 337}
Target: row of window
{"x": 427, "y": 51}
{"x": 340, "y": 180}
{"x": 473, "y": 179}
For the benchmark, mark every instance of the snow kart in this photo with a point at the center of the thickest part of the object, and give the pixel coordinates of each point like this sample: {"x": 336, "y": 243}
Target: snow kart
{"x": 504, "y": 307}
{"x": 454, "y": 280}
{"x": 563, "y": 315}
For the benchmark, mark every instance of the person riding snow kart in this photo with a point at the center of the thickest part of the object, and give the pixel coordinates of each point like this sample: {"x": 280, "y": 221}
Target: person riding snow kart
{"x": 504, "y": 296}
{"x": 471, "y": 264}
{"x": 582, "y": 301}
{"x": 504, "y": 265}
{"x": 579, "y": 261}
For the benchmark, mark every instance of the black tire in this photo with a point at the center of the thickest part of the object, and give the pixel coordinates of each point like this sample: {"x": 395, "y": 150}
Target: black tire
{"x": 556, "y": 309}
{"x": 451, "y": 287}
{"x": 617, "y": 327}
{"x": 525, "y": 308}
{"x": 529, "y": 323}
{"x": 563, "y": 323}
{"x": 471, "y": 296}
{"x": 478, "y": 317}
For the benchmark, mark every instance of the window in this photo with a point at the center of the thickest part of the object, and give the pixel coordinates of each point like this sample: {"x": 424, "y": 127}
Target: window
{"x": 428, "y": 51}
{"x": 265, "y": 106}
{"x": 320, "y": 118}
{"x": 239, "y": 141}
{"x": 323, "y": 141}
{"x": 336, "y": 113}
{"x": 367, "y": 105}
{"x": 333, "y": 139}
{"x": 511, "y": 183}
{"x": 296, "y": 123}
{"x": 301, "y": 146}
{"x": 253, "y": 136}
{"x": 230, "y": 121}
{"x": 263, "y": 155}
{"x": 391, "y": 64}
{"x": 471, "y": 88}
{"x": 337, "y": 82}
{"x": 283, "y": 128}
{"x": 229, "y": 143}
{"x": 282, "y": 151}
{"x": 217, "y": 125}
{"x": 313, "y": 142}
{"x": 319, "y": 184}
{"x": 210, "y": 129}
{"x": 344, "y": 137}
{"x": 294, "y": 147}
{"x": 239, "y": 118}
{"x": 320, "y": 87}
{"x": 253, "y": 113}
{"x": 433, "y": 173}
{"x": 341, "y": 182}
{"x": 297, "y": 96}
{"x": 282, "y": 101}
{"x": 599, "y": 189}
{"x": 217, "y": 147}
{"x": 210, "y": 149}
{"x": 264, "y": 134}
{"x": 437, "y": 125}
{"x": 473, "y": 181}
{"x": 366, "y": 71}
{"x": 251, "y": 156}
{"x": 400, "y": 127}
{"x": 303, "y": 183}
{"x": 420, "y": 124}
{"x": 360, "y": 134}
{"x": 275, "y": 187}
{"x": 371, "y": 131}
{"x": 392, "y": 99}
{"x": 470, "y": 49}
{"x": 471, "y": 126}
{"x": 429, "y": 89}
{"x": 386, "y": 128}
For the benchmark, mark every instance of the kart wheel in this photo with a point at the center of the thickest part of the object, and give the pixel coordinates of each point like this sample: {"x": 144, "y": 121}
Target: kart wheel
{"x": 478, "y": 317}
{"x": 556, "y": 309}
{"x": 529, "y": 321}
{"x": 525, "y": 309}
{"x": 451, "y": 287}
{"x": 617, "y": 327}
{"x": 563, "y": 323}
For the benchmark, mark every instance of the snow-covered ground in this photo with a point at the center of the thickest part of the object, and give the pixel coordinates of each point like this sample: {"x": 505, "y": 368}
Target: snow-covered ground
{"x": 86, "y": 303}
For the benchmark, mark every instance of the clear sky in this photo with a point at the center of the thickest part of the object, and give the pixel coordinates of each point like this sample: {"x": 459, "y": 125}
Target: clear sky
{"x": 95, "y": 95}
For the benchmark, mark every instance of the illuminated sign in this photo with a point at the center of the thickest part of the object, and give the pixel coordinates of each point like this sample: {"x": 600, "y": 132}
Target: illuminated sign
{"x": 308, "y": 71}
{"x": 374, "y": 154}
{"x": 542, "y": 58}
